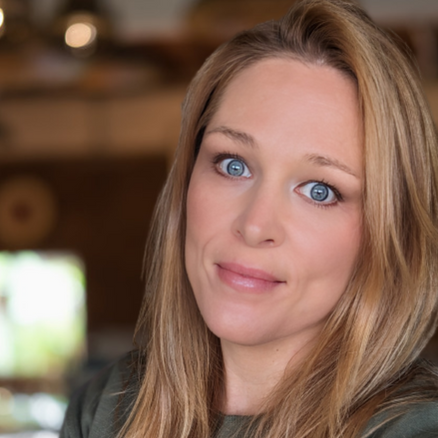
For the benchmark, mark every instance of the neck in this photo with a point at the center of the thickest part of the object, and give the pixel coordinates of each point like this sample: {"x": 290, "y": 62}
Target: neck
{"x": 252, "y": 372}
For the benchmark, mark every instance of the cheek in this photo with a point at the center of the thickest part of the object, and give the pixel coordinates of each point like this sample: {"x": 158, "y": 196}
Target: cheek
{"x": 343, "y": 242}
{"x": 211, "y": 209}
{"x": 204, "y": 220}
{"x": 327, "y": 246}
{"x": 200, "y": 211}
{"x": 321, "y": 265}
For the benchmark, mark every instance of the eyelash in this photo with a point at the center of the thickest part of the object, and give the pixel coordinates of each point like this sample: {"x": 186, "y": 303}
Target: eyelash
{"x": 218, "y": 158}
{"x": 335, "y": 191}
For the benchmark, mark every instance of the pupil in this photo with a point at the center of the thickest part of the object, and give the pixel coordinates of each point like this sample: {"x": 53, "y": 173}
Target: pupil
{"x": 235, "y": 168}
{"x": 319, "y": 192}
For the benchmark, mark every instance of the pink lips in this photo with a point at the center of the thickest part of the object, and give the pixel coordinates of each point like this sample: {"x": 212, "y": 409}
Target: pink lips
{"x": 245, "y": 279}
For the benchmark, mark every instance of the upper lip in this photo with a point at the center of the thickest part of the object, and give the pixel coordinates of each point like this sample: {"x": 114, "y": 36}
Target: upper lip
{"x": 249, "y": 272}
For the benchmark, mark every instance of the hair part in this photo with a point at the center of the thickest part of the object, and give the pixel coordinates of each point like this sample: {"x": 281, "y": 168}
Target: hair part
{"x": 368, "y": 348}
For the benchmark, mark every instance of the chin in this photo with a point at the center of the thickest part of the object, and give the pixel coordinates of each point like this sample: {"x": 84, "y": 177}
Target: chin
{"x": 239, "y": 334}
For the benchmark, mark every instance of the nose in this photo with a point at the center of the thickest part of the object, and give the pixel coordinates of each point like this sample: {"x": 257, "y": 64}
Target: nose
{"x": 259, "y": 220}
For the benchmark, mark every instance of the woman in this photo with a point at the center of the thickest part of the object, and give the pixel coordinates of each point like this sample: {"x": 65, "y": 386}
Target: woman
{"x": 292, "y": 269}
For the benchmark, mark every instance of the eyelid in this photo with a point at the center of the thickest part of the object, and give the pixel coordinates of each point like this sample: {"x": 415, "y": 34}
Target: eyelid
{"x": 218, "y": 159}
{"x": 223, "y": 155}
{"x": 322, "y": 204}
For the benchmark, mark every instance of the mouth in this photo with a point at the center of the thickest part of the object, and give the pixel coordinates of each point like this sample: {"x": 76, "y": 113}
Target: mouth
{"x": 244, "y": 279}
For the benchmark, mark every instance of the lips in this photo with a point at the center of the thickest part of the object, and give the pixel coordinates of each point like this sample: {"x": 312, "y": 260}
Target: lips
{"x": 244, "y": 279}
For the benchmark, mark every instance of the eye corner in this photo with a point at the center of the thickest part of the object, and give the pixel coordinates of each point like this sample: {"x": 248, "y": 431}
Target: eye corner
{"x": 231, "y": 166}
{"x": 320, "y": 193}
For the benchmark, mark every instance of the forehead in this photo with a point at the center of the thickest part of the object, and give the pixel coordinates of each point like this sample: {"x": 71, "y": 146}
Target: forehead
{"x": 292, "y": 78}
{"x": 282, "y": 100}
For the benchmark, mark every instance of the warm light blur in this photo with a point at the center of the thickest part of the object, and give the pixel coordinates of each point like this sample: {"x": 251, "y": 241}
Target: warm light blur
{"x": 2, "y": 17}
{"x": 42, "y": 314}
{"x": 80, "y": 35}
{"x": 6, "y": 401}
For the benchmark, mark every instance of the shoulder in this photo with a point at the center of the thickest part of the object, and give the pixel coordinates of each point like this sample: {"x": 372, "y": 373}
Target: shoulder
{"x": 417, "y": 418}
{"x": 418, "y": 421}
{"x": 97, "y": 407}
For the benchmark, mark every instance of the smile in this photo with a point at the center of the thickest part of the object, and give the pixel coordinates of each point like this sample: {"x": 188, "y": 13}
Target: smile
{"x": 243, "y": 279}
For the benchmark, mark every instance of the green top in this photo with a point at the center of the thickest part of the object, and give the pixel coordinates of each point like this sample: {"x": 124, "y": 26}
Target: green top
{"x": 97, "y": 411}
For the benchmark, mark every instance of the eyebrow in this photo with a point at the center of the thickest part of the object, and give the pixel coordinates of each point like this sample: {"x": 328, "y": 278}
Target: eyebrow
{"x": 241, "y": 137}
{"x": 247, "y": 139}
{"x": 330, "y": 162}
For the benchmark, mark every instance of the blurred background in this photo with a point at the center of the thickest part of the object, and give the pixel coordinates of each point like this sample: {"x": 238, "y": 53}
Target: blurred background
{"x": 90, "y": 95}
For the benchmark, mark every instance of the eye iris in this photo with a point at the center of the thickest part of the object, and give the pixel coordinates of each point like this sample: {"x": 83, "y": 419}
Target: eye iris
{"x": 235, "y": 168}
{"x": 319, "y": 192}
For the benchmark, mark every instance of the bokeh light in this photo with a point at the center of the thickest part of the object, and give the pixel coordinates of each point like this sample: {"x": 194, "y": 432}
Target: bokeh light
{"x": 80, "y": 35}
{"x": 42, "y": 314}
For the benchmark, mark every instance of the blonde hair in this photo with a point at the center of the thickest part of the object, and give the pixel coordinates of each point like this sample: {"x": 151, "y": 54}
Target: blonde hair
{"x": 367, "y": 351}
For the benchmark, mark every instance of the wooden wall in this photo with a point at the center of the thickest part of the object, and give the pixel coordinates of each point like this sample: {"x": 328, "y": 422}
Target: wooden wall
{"x": 102, "y": 212}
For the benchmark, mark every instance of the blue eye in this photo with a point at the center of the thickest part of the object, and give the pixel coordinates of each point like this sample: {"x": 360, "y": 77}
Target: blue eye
{"x": 234, "y": 167}
{"x": 319, "y": 192}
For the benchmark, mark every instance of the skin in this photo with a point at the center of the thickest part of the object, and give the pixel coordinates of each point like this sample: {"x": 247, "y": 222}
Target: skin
{"x": 266, "y": 261}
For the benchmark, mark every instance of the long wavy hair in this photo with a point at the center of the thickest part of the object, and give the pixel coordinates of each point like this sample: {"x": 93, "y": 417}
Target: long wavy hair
{"x": 367, "y": 352}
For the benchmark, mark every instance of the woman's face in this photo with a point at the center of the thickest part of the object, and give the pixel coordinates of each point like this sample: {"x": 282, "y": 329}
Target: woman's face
{"x": 274, "y": 203}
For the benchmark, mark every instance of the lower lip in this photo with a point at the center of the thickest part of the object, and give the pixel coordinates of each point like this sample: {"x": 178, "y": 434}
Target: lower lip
{"x": 242, "y": 283}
